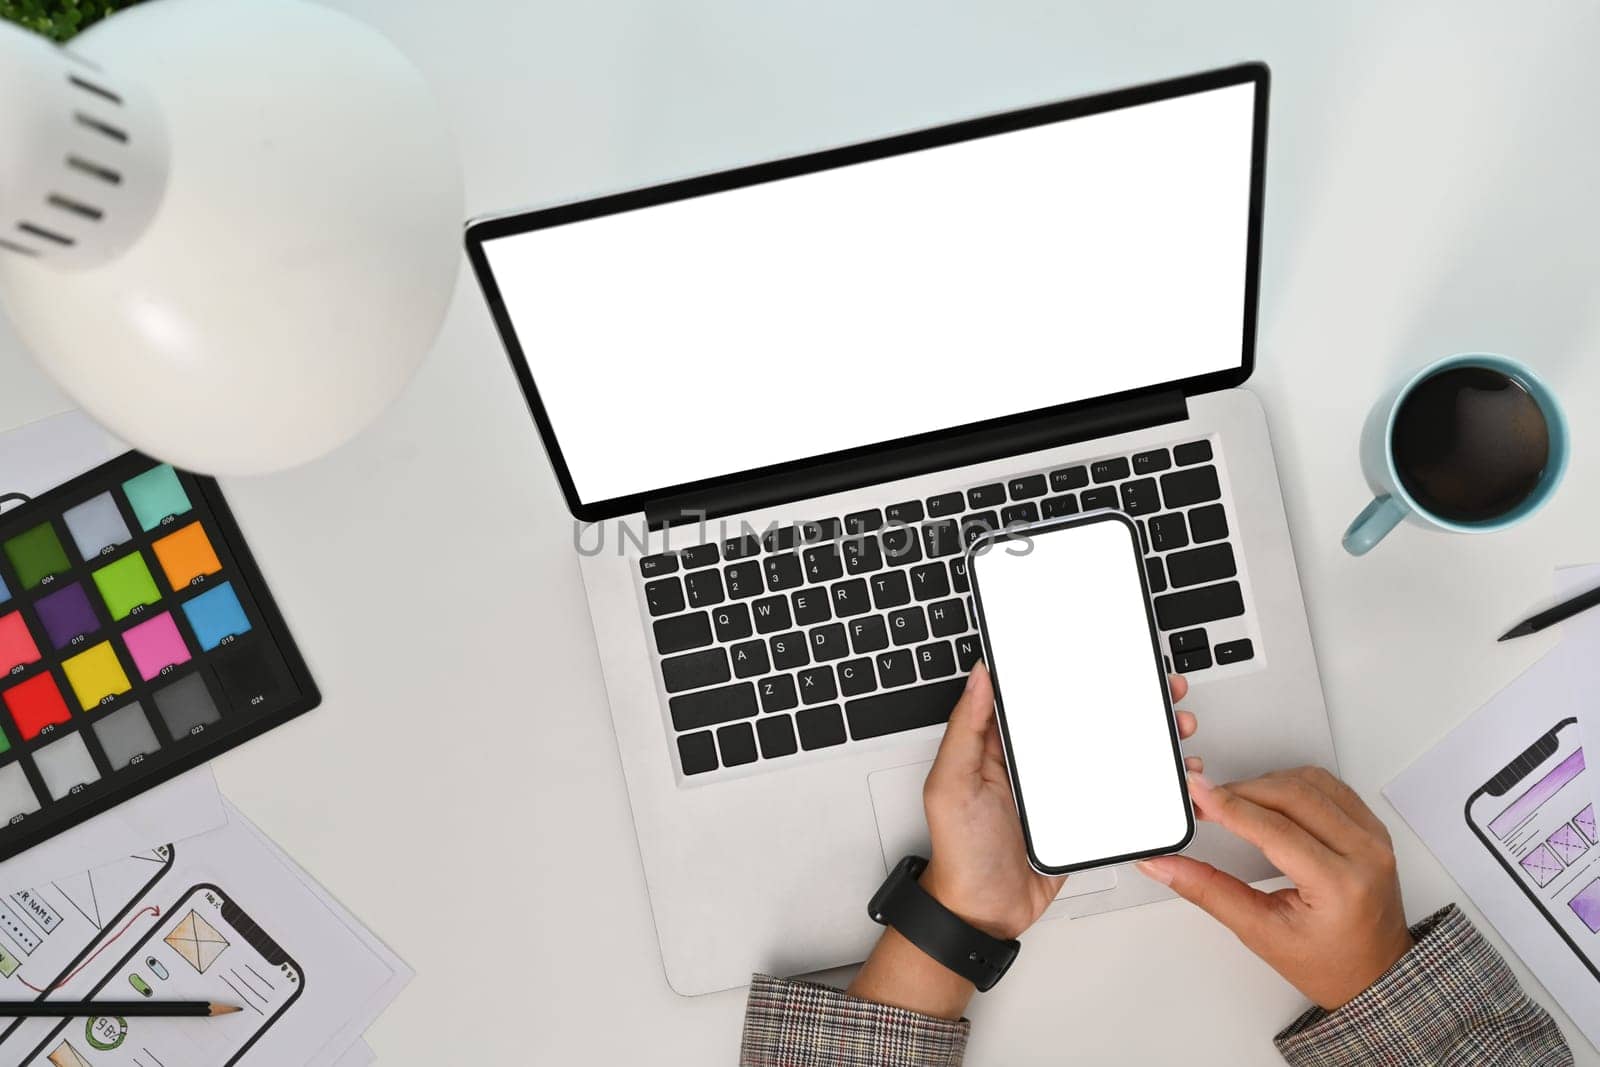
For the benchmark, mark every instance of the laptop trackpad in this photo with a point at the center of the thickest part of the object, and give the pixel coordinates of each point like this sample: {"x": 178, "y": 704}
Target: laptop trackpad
{"x": 902, "y": 829}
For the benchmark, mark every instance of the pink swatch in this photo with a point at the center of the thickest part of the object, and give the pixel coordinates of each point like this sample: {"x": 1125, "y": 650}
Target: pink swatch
{"x": 156, "y": 645}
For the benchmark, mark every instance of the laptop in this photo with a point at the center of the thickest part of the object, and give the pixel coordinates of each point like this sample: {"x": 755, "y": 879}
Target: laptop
{"x": 780, "y": 400}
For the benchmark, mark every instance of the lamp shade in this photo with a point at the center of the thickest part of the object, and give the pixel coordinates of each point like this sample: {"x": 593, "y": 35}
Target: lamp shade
{"x": 236, "y": 244}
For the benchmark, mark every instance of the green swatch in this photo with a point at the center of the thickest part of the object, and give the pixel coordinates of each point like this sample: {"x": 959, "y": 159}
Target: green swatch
{"x": 125, "y": 585}
{"x": 37, "y": 554}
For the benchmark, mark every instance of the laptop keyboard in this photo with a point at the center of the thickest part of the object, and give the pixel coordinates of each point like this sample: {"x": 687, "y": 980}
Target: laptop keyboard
{"x": 848, "y": 628}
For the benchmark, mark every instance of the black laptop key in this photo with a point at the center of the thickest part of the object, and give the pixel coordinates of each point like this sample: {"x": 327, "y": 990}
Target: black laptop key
{"x": 771, "y": 614}
{"x": 1056, "y": 506}
{"x": 904, "y": 709}
{"x": 732, "y": 622}
{"x": 1139, "y": 497}
{"x": 827, "y": 642}
{"x": 697, "y": 753}
{"x": 929, "y": 581}
{"x": 942, "y": 538}
{"x": 945, "y": 504}
{"x": 810, "y": 606}
{"x": 1193, "y": 452}
{"x": 776, "y": 734}
{"x": 856, "y": 678}
{"x": 820, "y": 727}
{"x": 819, "y": 530}
{"x": 659, "y": 564}
{"x": 783, "y": 572}
{"x": 868, "y": 634}
{"x": 695, "y": 670}
{"x": 906, "y": 512}
{"x": 863, "y": 521}
{"x": 743, "y": 579}
{"x": 789, "y": 651}
{"x": 948, "y": 617}
{"x": 1194, "y": 485}
{"x": 936, "y": 661}
{"x": 699, "y": 556}
{"x": 1027, "y": 488}
{"x": 749, "y": 659}
{"x": 969, "y": 650}
{"x": 816, "y": 685}
{"x": 862, "y": 555}
{"x": 1019, "y": 513}
{"x": 1188, "y": 640}
{"x": 1195, "y": 566}
{"x": 977, "y": 525}
{"x": 890, "y": 589}
{"x": 896, "y": 668}
{"x": 1155, "y": 575}
{"x": 1109, "y": 470}
{"x": 780, "y": 538}
{"x": 777, "y": 693}
{"x": 1189, "y": 662}
{"x": 1234, "y": 651}
{"x": 710, "y": 707}
{"x": 958, "y": 576}
{"x": 1151, "y": 462}
{"x": 1069, "y": 478}
{"x": 908, "y": 626}
{"x": 901, "y": 545}
{"x": 1191, "y": 607}
{"x": 664, "y": 596}
{"x": 986, "y": 496}
{"x": 1103, "y": 497}
{"x": 822, "y": 563}
{"x": 737, "y": 743}
{"x": 742, "y": 547}
{"x": 705, "y": 588}
{"x": 1209, "y": 523}
{"x": 683, "y": 632}
{"x": 850, "y": 598}
{"x": 1168, "y": 532}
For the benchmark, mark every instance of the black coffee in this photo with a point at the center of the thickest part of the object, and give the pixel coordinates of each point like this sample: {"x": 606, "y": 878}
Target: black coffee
{"x": 1470, "y": 443}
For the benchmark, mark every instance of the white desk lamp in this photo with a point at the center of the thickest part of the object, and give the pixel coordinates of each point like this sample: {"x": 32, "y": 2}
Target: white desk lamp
{"x": 228, "y": 228}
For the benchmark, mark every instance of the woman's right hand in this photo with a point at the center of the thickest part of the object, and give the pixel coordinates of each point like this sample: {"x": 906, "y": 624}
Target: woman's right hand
{"x": 1342, "y": 925}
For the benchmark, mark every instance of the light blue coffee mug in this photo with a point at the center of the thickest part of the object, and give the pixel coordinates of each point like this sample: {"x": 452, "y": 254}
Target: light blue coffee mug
{"x": 1391, "y": 503}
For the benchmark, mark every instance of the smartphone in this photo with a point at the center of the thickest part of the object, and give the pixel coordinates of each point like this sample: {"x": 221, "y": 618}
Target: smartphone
{"x": 1536, "y": 817}
{"x": 204, "y": 948}
{"x": 1085, "y": 716}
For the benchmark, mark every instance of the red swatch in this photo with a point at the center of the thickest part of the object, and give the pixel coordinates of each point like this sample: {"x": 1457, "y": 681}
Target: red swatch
{"x": 36, "y": 704}
{"x": 16, "y": 644}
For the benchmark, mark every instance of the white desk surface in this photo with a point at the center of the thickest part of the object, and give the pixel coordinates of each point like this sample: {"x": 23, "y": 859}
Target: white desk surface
{"x": 1431, "y": 190}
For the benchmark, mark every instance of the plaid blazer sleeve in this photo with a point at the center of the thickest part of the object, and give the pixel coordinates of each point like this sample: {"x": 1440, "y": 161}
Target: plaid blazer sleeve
{"x": 1450, "y": 1002}
{"x": 802, "y": 1024}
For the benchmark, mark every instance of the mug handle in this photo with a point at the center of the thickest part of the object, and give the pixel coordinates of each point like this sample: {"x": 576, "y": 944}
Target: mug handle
{"x": 1380, "y": 516}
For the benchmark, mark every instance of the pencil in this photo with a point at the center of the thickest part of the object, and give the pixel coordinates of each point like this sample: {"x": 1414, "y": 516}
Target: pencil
{"x": 1564, "y": 610}
{"x": 75, "y": 1009}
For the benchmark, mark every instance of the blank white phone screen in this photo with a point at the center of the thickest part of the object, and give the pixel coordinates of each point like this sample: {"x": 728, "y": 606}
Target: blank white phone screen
{"x": 1079, "y": 686}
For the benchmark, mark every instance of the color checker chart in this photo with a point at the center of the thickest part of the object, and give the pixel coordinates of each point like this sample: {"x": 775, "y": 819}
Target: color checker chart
{"x": 137, "y": 640}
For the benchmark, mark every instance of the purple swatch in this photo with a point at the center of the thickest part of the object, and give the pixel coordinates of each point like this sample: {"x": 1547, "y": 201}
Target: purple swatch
{"x": 1541, "y": 865}
{"x": 1585, "y": 822}
{"x": 66, "y": 614}
{"x": 1567, "y": 843}
{"x": 1529, "y": 802}
{"x": 1586, "y": 905}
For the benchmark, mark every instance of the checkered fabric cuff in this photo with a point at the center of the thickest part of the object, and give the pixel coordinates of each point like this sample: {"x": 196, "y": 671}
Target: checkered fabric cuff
{"x": 1450, "y": 1001}
{"x": 803, "y": 1024}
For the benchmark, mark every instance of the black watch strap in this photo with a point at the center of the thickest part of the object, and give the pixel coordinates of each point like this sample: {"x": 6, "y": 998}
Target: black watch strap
{"x": 903, "y": 904}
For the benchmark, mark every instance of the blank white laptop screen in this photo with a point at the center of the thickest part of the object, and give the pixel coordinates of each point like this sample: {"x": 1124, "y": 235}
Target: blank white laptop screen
{"x": 898, "y": 296}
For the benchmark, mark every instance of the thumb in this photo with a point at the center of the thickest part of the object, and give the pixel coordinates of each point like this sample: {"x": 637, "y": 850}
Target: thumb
{"x": 1226, "y": 899}
{"x": 962, "y": 750}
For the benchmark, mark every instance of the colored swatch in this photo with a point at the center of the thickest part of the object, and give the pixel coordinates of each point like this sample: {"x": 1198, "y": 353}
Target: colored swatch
{"x": 5, "y": 591}
{"x": 1586, "y": 905}
{"x": 17, "y": 647}
{"x": 65, "y": 764}
{"x": 1541, "y": 865}
{"x": 16, "y": 795}
{"x": 250, "y": 676}
{"x": 37, "y": 554}
{"x": 1585, "y": 822}
{"x": 66, "y": 615}
{"x": 155, "y": 495}
{"x": 155, "y": 646}
{"x": 125, "y": 585}
{"x": 96, "y": 675}
{"x": 35, "y": 704}
{"x": 1567, "y": 843}
{"x": 216, "y": 614}
{"x": 96, "y": 526}
{"x": 126, "y": 734}
{"x": 185, "y": 704}
{"x": 187, "y": 555}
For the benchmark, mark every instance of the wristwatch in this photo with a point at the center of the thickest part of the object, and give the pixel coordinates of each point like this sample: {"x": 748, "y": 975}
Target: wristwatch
{"x": 902, "y": 903}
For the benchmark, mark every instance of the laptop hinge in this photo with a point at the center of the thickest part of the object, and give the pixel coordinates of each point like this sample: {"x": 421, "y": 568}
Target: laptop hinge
{"x": 958, "y": 450}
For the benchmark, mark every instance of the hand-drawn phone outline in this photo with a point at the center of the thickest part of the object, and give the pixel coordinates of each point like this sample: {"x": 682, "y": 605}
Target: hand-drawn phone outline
{"x": 1507, "y": 778}
{"x": 93, "y": 944}
{"x": 249, "y": 929}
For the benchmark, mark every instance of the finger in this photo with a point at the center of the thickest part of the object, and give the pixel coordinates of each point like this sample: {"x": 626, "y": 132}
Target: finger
{"x": 1341, "y": 794}
{"x": 1235, "y": 905}
{"x": 1195, "y": 764}
{"x": 966, "y": 736}
{"x": 1286, "y": 844}
{"x": 1179, "y": 686}
{"x": 1187, "y": 724}
{"x": 1310, "y": 808}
